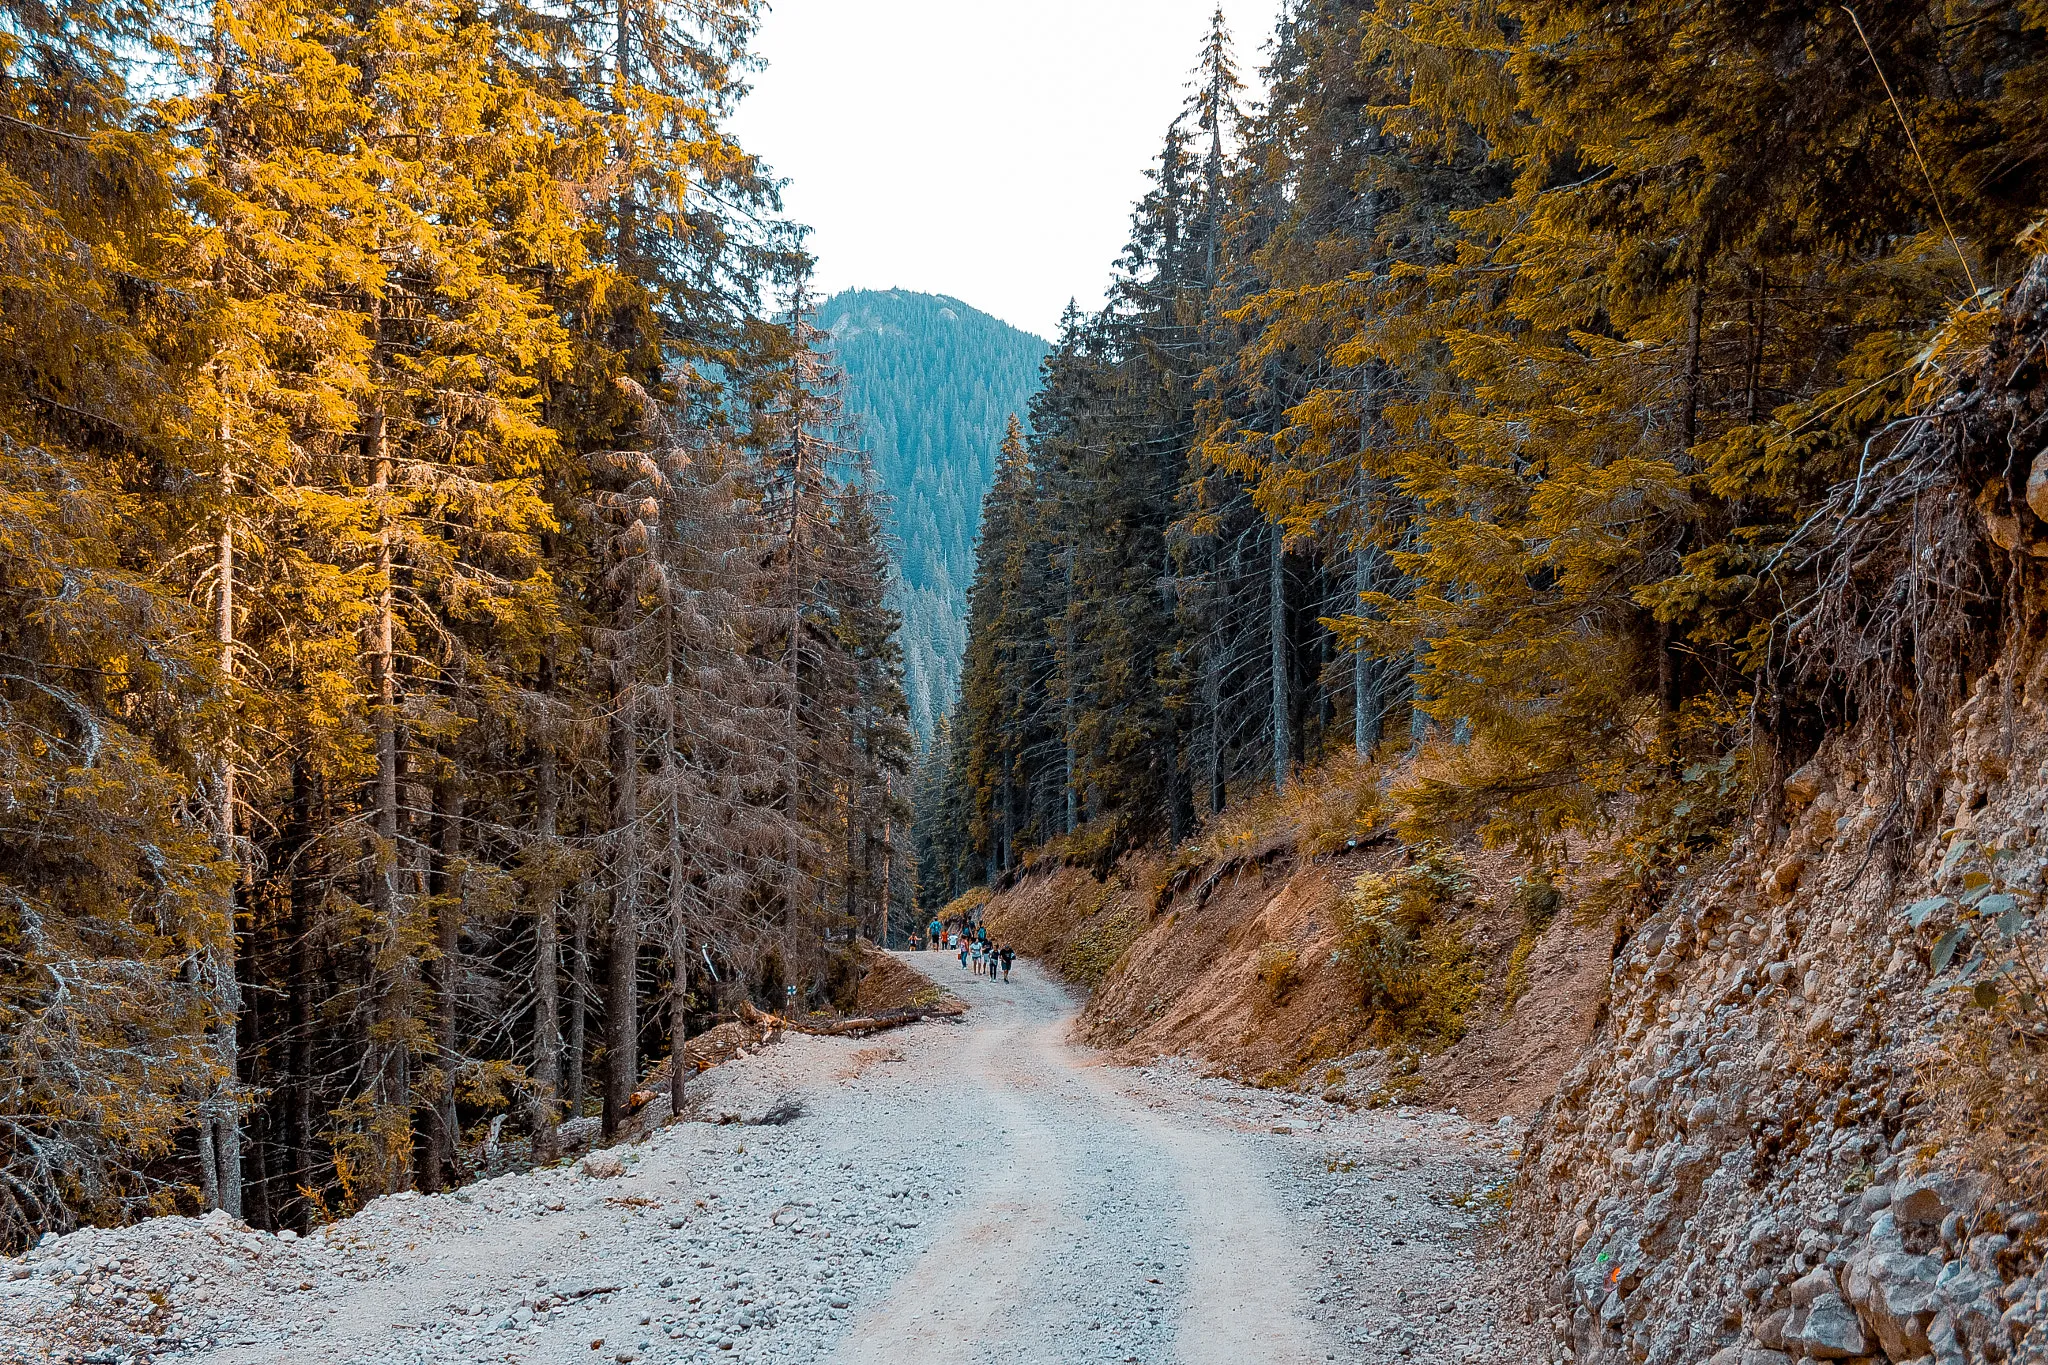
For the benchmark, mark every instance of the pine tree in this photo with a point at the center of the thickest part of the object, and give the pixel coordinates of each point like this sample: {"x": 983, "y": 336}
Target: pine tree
{"x": 114, "y": 904}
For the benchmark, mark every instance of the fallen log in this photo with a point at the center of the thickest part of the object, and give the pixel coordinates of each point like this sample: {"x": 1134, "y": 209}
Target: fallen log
{"x": 876, "y": 1023}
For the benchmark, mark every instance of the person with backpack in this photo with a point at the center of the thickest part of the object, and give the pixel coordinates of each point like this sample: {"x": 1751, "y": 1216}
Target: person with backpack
{"x": 1008, "y": 956}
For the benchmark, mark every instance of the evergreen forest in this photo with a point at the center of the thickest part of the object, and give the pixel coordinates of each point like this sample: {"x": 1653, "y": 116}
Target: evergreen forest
{"x": 930, "y": 384}
{"x": 450, "y": 652}
{"x": 1526, "y": 391}
{"x": 444, "y": 648}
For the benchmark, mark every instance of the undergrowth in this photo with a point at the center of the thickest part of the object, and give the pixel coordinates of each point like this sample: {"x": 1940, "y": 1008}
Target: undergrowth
{"x": 1415, "y": 974}
{"x": 1095, "y": 952}
{"x": 1325, "y": 809}
{"x": 1991, "y": 1077}
{"x": 1539, "y": 900}
{"x": 962, "y": 906}
{"x": 1279, "y": 967}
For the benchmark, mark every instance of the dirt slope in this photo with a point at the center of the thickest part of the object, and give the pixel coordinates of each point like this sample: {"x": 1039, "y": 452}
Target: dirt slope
{"x": 1193, "y": 975}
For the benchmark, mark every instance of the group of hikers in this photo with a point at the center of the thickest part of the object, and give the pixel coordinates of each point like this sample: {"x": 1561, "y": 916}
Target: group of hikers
{"x": 975, "y": 949}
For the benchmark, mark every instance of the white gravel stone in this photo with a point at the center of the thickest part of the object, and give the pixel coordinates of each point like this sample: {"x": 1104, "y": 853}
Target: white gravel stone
{"x": 990, "y": 1193}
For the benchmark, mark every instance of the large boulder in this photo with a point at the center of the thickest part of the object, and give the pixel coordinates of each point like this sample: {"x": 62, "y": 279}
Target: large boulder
{"x": 1832, "y": 1330}
{"x": 1894, "y": 1294}
{"x": 1927, "y": 1199}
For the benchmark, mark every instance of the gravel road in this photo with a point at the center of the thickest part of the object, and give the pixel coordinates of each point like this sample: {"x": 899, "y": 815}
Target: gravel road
{"x": 952, "y": 1192}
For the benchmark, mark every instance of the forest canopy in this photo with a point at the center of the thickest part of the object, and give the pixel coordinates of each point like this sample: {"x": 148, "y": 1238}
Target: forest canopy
{"x": 1526, "y": 389}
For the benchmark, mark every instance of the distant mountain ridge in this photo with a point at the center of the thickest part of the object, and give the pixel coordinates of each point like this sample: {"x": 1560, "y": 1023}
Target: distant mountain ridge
{"x": 932, "y": 382}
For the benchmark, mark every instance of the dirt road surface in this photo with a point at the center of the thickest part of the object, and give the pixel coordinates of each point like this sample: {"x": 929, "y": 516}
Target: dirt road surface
{"x": 978, "y": 1191}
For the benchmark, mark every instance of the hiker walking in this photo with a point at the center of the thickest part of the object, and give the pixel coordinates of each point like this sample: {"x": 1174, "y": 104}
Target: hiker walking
{"x": 1008, "y": 955}
{"x": 932, "y": 939}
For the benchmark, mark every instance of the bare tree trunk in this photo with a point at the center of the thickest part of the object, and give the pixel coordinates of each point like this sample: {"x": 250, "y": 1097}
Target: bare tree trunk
{"x": 1070, "y": 721}
{"x": 1667, "y": 678}
{"x": 299, "y": 1063}
{"x": 258, "y": 1152}
{"x": 1752, "y": 406}
{"x": 850, "y": 888}
{"x": 221, "y": 1111}
{"x": 679, "y": 968}
{"x": 1367, "y": 705}
{"x": 622, "y": 1002}
{"x": 1009, "y": 814}
{"x": 793, "y": 666}
{"x": 390, "y": 1063}
{"x": 209, "y": 1161}
{"x": 1212, "y": 711}
{"x": 1695, "y": 317}
{"x": 1276, "y": 634}
{"x": 888, "y": 878}
{"x": 547, "y": 1005}
{"x": 441, "y": 1154}
{"x": 576, "y": 1047}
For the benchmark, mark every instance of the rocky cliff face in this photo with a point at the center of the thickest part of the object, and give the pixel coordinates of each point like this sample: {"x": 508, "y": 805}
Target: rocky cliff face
{"x": 1762, "y": 1157}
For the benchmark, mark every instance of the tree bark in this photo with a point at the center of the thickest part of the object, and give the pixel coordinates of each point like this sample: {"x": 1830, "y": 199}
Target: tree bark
{"x": 622, "y": 1004}
{"x": 577, "y": 1045}
{"x": 679, "y": 970}
{"x": 1754, "y": 379}
{"x": 390, "y": 1067}
{"x": 1276, "y": 634}
{"x": 221, "y": 1111}
{"x": 1695, "y": 318}
{"x": 1067, "y": 704}
{"x": 445, "y": 887}
{"x": 299, "y": 1063}
{"x": 547, "y": 1007}
{"x": 1367, "y": 705}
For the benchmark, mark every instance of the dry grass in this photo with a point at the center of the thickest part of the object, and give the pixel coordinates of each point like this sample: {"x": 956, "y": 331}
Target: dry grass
{"x": 1324, "y": 810}
{"x": 1279, "y": 969}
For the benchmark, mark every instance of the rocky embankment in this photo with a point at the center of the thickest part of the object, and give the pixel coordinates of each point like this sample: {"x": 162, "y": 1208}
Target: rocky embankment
{"x": 1744, "y": 1168}
{"x": 1762, "y": 1156}
{"x": 1235, "y": 961}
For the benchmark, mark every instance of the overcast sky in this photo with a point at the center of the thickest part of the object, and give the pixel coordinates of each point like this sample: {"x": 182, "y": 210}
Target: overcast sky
{"x": 986, "y": 149}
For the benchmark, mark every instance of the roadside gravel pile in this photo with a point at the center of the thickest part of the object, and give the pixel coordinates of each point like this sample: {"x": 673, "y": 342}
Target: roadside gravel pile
{"x": 723, "y": 1241}
{"x": 1403, "y": 1210}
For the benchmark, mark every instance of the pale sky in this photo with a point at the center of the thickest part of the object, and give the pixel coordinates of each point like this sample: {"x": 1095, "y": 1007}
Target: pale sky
{"x": 987, "y": 149}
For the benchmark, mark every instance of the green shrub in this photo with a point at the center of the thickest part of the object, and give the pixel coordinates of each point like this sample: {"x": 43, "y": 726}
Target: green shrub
{"x": 1415, "y": 974}
{"x": 1539, "y": 900}
{"x": 965, "y": 904}
{"x": 1279, "y": 970}
{"x": 1988, "y": 958}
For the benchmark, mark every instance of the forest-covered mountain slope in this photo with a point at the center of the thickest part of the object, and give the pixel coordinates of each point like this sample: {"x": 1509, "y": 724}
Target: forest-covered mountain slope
{"x": 931, "y": 382}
